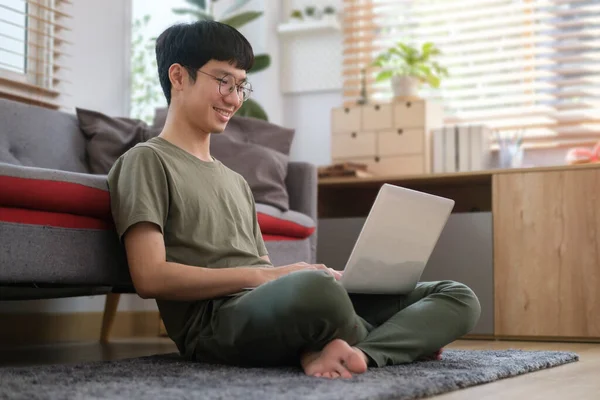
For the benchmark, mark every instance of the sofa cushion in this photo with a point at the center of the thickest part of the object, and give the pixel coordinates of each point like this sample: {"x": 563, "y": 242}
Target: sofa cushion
{"x": 264, "y": 169}
{"x": 36, "y": 136}
{"x": 263, "y": 133}
{"x": 55, "y": 191}
{"x": 109, "y": 137}
{"x": 276, "y": 224}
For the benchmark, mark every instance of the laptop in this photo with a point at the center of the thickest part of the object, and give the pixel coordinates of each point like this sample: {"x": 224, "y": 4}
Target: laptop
{"x": 396, "y": 241}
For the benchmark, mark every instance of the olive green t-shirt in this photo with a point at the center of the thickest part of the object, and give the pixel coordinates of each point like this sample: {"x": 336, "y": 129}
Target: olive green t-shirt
{"x": 205, "y": 211}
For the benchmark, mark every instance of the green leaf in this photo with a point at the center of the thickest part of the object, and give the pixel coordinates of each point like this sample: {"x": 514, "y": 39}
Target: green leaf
{"x": 384, "y": 75}
{"x": 242, "y": 19}
{"x": 251, "y": 108}
{"x": 201, "y": 4}
{"x": 198, "y": 14}
{"x": 261, "y": 62}
{"x": 236, "y": 6}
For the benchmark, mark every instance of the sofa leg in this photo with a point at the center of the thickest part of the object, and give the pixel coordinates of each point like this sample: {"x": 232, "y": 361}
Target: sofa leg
{"x": 110, "y": 310}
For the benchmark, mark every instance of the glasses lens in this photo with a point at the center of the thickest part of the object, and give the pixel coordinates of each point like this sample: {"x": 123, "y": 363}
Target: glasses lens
{"x": 227, "y": 85}
{"x": 246, "y": 89}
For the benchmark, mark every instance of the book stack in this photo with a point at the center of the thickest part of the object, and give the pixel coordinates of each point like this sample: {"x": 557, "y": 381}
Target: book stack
{"x": 461, "y": 148}
{"x": 346, "y": 169}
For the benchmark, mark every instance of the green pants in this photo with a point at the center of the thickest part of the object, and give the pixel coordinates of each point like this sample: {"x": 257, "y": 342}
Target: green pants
{"x": 275, "y": 323}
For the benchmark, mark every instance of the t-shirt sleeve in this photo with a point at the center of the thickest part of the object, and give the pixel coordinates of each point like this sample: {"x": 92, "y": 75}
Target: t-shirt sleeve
{"x": 138, "y": 190}
{"x": 260, "y": 243}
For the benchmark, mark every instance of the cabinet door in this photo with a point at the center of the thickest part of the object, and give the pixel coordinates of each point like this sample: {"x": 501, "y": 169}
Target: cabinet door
{"x": 353, "y": 144}
{"x": 547, "y": 253}
{"x": 400, "y": 141}
{"x": 409, "y": 114}
{"x": 345, "y": 119}
{"x": 377, "y": 116}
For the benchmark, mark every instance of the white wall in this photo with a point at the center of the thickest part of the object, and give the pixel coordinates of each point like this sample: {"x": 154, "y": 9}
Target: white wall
{"x": 309, "y": 111}
{"x": 310, "y": 115}
{"x": 100, "y": 56}
{"x": 100, "y": 81}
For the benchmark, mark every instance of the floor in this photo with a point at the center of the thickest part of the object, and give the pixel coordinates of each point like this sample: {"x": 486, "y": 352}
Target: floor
{"x": 580, "y": 380}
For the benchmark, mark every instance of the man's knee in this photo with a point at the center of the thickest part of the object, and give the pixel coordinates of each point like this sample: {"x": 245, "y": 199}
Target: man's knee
{"x": 468, "y": 301}
{"x": 317, "y": 294}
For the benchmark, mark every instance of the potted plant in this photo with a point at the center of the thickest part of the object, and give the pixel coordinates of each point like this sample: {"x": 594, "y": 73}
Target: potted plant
{"x": 311, "y": 12}
{"x": 409, "y": 67}
{"x": 329, "y": 13}
{"x": 296, "y": 16}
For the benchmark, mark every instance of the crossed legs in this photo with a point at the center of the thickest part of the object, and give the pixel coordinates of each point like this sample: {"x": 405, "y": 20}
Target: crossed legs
{"x": 309, "y": 317}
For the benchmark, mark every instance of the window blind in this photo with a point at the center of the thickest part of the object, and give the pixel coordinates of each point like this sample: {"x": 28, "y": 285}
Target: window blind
{"x": 515, "y": 65}
{"x": 33, "y": 50}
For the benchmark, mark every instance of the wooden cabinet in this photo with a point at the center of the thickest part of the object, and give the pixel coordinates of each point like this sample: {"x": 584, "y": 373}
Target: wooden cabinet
{"x": 547, "y": 253}
{"x": 390, "y": 138}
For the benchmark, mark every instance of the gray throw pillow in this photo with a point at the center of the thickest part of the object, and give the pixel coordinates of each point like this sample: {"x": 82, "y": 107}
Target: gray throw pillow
{"x": 264, "y": 169}
{"x": 109, "y": 137}
{"x": 263, "y": 133}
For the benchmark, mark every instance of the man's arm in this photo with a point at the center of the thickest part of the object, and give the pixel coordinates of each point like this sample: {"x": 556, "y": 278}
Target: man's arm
{"x": 154, "y": 277}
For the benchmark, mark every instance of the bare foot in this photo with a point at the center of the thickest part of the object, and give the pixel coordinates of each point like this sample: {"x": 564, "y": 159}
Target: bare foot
{"x": 337, "y": 360}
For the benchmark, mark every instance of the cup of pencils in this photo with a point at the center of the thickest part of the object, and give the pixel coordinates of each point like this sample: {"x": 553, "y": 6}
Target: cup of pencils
{"x": 510, "y": 148}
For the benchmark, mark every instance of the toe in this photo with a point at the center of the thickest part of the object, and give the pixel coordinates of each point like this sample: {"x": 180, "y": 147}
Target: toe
{"x": 344, "y": 373}
{"x": 335, "y": 375}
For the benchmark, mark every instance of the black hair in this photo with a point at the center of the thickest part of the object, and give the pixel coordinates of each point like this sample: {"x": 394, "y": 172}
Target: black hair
{"x": 194, "y": 44}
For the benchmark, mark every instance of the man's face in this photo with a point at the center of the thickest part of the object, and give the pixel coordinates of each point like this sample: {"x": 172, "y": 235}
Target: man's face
{"x": 207, "y": 102}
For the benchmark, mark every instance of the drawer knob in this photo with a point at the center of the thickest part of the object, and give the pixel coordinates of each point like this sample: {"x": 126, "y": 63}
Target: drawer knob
{"x": 346, "y": 110}
{"x": 408, "y": 104}
{"x": 377, "y": 107}
{"x": 353, "y": 134}
{"x": 400, "y": 131}
{"x": 377, "y": 159}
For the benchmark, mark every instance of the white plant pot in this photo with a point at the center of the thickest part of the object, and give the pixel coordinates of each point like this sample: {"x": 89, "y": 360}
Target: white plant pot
{"x": 403, "y": 85}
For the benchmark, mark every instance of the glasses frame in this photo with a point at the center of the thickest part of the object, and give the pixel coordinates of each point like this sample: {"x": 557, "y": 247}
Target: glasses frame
{"x": 240, "y": 89}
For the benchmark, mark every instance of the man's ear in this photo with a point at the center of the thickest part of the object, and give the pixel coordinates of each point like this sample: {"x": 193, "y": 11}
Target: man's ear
{"x": 178, "y": 75}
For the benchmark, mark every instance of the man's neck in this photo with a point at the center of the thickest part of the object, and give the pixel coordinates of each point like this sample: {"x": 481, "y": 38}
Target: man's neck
{"x": 180, "y": 133}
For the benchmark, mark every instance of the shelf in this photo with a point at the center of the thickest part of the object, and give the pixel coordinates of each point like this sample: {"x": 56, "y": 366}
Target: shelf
{"x": 322, "y": 25}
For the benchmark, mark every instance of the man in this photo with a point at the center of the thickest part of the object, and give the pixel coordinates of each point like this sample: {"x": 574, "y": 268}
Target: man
{"x": 192, "y": 240}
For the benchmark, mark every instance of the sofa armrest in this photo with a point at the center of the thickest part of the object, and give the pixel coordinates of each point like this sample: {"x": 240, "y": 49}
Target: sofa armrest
{"x": 302, "y": 186}
{"x": 301, "y": 183}
{"x": 51, "y": 190}
{"x": 27, "y": 172}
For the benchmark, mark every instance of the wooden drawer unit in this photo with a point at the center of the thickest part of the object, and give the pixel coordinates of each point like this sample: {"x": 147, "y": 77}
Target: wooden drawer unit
{"x": 409, "y": 114}
{"x": 400, "y": 141}
{"x": 390, "y": 138}
{"x": 376, "y": 116}
{"x": 346, "y": 119}
{"x": 353, "y": 144}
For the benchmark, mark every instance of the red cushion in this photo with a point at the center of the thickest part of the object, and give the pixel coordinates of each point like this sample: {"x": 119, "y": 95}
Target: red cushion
{"x": 59, "y": 203}
{"x": 47, "y": 218}
{"x": 55, "y": 196}
{"x": 274, "y": 238}
{"x": 271, "y": 225}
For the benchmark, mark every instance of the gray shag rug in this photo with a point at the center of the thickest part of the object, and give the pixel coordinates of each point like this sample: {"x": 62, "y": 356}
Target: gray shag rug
{"x": 169, "y": 377}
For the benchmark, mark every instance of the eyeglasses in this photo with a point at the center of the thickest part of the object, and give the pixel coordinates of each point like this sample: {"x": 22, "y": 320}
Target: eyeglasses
{"x": 227, "y": 85}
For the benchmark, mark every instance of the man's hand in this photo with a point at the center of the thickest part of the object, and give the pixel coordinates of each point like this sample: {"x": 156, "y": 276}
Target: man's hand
{"x": 278, "y": 272}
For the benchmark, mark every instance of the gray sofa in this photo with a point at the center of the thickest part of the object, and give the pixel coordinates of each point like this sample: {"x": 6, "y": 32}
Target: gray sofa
{"x": 57, "y": 239}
